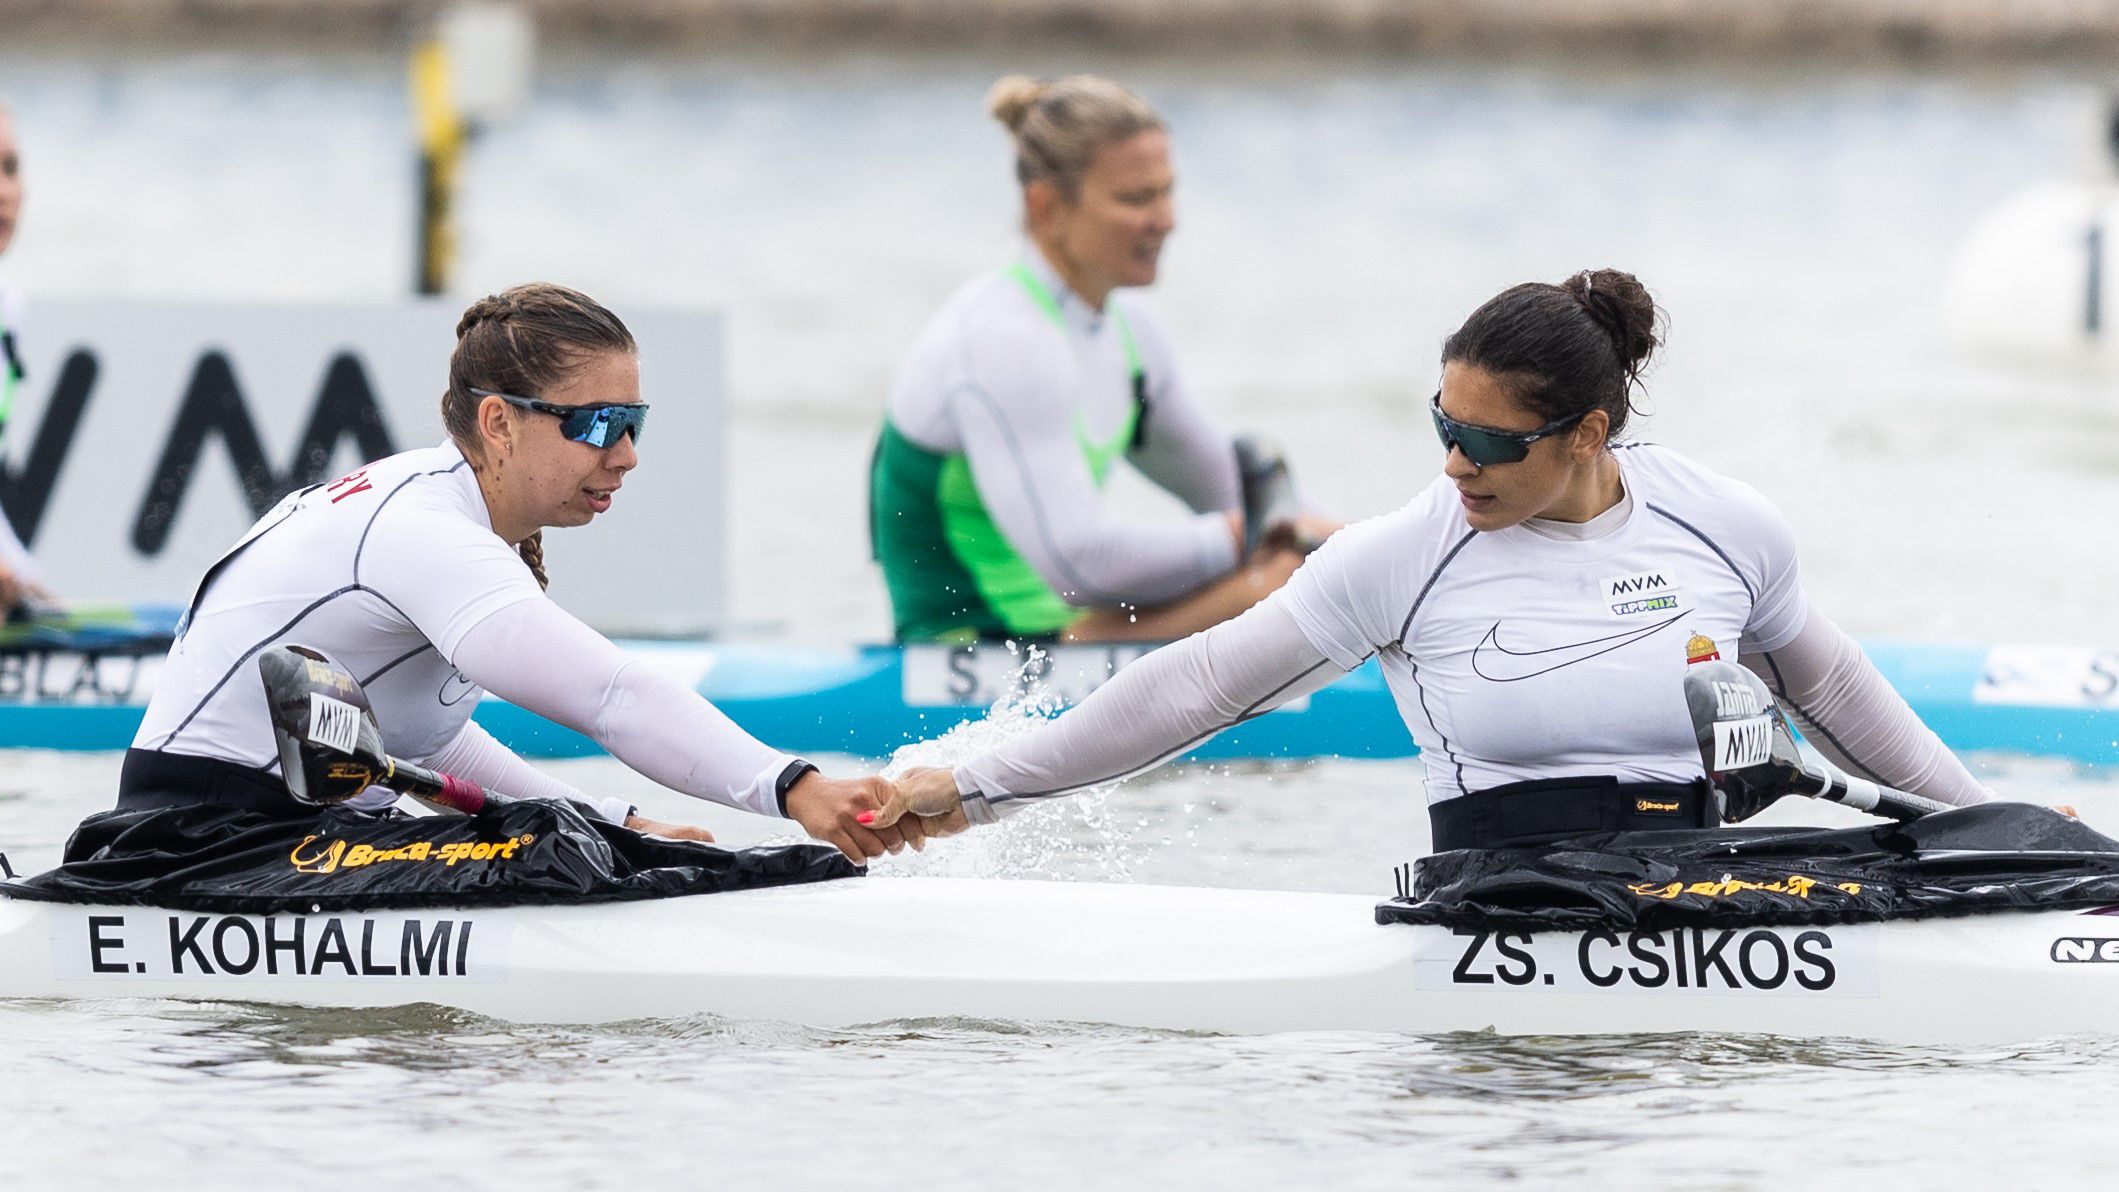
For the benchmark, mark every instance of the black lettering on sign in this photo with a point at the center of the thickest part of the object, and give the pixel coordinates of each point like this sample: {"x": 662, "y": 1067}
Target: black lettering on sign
{"x": 2078, "y": 949}
{"x": 123, "y": 695}
{"x": 1810, "y": 948}
{"x": 1639, "y": 946}
{"x": 428, "y": 957}
{"x": 1507, "y": 945}
{"x": 24, "y": 496}
{"x": 46, "y": 693}
{"x": 1602, "y": 980}
{"x": 222, "y": 931}
{"x": 368, "y": 965}
{"x": 98, "y": 943}
{"x": 292, "y": 946}
{"x": 1706, "y": 956}
{"x": 1463, "y": 974}
{"x": 184, "y": 943}
{"x": 963, "y": 672}
{"x": 2103, "y": 678}
{"x": 89, "y": 679}
{"x": 331, "y": 948}
{"x": 1757, "y": 974}
{"x": 213, "y": 406}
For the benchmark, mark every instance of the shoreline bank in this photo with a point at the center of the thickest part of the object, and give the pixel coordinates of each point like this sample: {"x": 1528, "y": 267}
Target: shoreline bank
{"x": 1916, "y": 30}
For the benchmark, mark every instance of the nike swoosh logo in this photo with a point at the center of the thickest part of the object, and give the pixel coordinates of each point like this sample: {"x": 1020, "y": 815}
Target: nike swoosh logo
{"x": 454, "y": 689}
{"x": 1497, "y": 663}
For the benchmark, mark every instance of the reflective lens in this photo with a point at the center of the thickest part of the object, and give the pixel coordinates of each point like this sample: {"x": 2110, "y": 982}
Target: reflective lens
{"x": 600, "y": 426}
{"x": 1485, "y": 446}
{"x": 597, "y": 425}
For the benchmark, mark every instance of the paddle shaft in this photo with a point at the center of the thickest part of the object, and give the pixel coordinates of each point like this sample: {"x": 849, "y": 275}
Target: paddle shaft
{"x": 435, "y": 787}
{"x": 1832, "y": 785}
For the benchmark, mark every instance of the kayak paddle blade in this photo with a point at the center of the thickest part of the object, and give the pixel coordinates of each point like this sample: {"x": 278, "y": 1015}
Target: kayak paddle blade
{"x": 331, "y": 748}
{"x": 1268, "y": 490}
{"x": 1745, "y": 743}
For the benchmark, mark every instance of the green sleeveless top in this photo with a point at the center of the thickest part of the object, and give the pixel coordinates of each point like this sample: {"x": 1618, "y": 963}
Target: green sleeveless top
{"x": 10, "y": 372}
{"x": 952, "y": 574}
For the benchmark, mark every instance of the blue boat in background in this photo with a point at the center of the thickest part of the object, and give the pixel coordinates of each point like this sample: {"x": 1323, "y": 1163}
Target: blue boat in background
{"x": 79, "y": 681}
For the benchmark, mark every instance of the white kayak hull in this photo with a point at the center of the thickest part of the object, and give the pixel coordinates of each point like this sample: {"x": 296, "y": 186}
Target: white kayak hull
{"x": 1229, "y": 961}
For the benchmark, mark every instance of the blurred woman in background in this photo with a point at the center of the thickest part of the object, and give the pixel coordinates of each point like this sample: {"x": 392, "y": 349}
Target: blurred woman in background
{"x": 1032, "y": 382}
{"x": 18, "y": 574}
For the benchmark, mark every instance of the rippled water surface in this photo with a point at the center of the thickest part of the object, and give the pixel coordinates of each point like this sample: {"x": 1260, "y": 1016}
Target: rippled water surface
{"x": 1339, "y": 218}
{"x": 436, "y": 1095}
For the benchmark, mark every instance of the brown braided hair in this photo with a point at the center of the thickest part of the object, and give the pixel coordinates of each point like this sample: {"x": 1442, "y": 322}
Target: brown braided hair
{"x": 524, "y": 340}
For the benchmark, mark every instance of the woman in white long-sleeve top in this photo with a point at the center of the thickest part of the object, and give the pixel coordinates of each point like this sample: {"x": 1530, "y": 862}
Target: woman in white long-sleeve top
{"x": 423, "y": 575}
{"x": 1032, "y": 382}
{"x": 1534, "y": 610}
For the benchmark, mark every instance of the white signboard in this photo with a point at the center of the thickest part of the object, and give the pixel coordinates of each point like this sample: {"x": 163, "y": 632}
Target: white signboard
{"x": 2049, "y": 677}
{"x": 149, "y": 436}
{"x": 982, "y": 674}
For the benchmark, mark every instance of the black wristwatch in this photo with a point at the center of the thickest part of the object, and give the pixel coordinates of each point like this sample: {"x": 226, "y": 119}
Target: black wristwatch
{"x": 787, "y": 780}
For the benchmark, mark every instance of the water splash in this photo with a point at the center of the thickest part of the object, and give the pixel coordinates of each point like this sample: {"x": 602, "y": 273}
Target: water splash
{"x": 1072, "y": 838}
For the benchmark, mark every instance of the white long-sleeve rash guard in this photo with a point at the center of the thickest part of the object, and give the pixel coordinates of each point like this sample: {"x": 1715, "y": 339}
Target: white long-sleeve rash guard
{"x": 993, "y": 377}
{"x": 394, "y": 572}
{"x": 1182, "y": 694}
{"x": 535, "y": 655}
{"x": 1539, "y": 651}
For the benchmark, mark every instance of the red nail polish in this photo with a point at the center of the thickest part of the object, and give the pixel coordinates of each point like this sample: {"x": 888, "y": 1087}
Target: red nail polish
{"x": 866, "y": 817}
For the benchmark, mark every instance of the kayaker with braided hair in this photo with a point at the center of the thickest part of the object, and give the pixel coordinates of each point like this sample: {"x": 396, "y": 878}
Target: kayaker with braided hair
{"x": 1534, "y": 611}
{"x": 423, "y": 576}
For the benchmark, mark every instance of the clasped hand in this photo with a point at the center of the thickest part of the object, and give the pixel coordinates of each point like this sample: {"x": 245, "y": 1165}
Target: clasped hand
{"x": 861, "y": 817}
{"x": 928, "y": 798}
{"x": 867, "y": 817}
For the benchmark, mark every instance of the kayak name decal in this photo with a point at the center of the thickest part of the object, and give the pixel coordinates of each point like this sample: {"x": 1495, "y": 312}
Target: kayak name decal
{"x": 318, "y": 855}
{"x": 982, "y": 675}
{"x": 165, "y": 944}
{"x": 1728, "y": 887}
{"x": 1813, "y": 961}
{"x": 75, "y": 677}
{"x": 2080, "y": 949}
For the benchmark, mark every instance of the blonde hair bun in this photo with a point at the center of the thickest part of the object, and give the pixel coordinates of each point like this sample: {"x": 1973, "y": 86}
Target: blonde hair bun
{"x": 1011, "y": 99}
{"x": 1059, "y": 125}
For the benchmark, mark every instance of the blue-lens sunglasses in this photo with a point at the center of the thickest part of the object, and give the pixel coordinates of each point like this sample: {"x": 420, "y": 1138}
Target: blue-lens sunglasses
{"x": 598, "y": 425}
{"x": 1484, "y": 445}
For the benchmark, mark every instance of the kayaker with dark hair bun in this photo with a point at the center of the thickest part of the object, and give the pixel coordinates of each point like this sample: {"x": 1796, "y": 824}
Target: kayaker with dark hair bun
{"x": 1534, "y": 609}
{"x": 423, "y": 576}
{"x": 1031, "y": 383}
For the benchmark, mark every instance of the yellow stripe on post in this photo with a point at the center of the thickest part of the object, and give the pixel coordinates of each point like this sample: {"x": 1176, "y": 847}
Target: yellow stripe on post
{"x": 442, "y": 131}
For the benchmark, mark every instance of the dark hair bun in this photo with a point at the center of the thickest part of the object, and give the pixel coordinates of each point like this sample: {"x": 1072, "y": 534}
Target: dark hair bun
{"x": 1622, "y": 306}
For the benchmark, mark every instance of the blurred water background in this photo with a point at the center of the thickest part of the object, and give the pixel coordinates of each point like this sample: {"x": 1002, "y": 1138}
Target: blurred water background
{"x": 1339, "y": 213}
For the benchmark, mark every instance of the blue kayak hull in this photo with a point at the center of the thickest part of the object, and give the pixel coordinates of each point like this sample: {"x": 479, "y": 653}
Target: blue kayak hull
{"x": 85, "y": 688}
